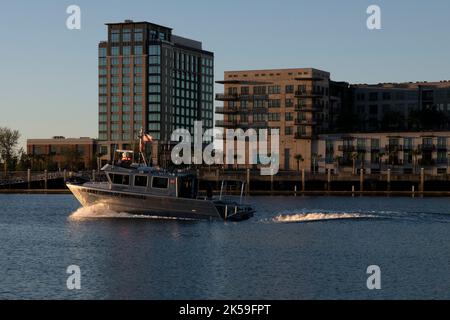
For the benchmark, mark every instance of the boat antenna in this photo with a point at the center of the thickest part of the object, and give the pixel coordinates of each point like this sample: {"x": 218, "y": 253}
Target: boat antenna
{"x": 142, "y": 147}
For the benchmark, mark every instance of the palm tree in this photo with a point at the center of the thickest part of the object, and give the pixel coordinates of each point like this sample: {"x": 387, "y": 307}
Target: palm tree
{"x": 354, "y": 157}
{"x": 299, "y": 159}
{"x": 337, "y": 160}
{"x": 416, "y": 153}
{"x": 99, "y": 155}
{"x": 73, "y": 158}
{"x": 381, "y": 155}
{"x": 316, "y": 158}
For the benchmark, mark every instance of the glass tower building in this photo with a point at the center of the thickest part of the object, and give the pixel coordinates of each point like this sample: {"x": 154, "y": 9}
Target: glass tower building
{"x": 151, "y": 79}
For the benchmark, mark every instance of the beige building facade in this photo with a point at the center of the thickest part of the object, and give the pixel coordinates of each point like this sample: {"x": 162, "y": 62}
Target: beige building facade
{"x": 295, "y": 101}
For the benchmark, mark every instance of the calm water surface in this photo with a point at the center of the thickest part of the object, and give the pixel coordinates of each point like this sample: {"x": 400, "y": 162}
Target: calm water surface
{"x": 294, "y": 248}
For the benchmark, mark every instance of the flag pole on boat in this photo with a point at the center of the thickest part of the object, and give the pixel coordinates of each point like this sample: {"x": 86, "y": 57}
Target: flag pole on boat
{"x": 143, "y": 138}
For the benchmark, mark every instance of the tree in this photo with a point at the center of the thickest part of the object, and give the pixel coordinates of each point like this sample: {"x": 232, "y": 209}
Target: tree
{"x": 299, "y": 159}
{"x": 98, "y": 157}
{"x": 9, "y": 139}
{"x": 73, "y": 158}
{"x": 24, "y": 161}
{"x": 316, "y": 158}
{"x": 337, "y": 160}
{"x": 416, "y": 153}
{"x": 354, "y": 156}
{"x": 381, "y": 155}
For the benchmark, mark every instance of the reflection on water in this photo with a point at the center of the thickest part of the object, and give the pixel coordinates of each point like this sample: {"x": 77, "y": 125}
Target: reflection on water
{"x": 268, "y": 256}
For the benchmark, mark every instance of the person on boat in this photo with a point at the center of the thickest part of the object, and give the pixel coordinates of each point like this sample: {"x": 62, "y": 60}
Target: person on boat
{"x": 126, "y": 160}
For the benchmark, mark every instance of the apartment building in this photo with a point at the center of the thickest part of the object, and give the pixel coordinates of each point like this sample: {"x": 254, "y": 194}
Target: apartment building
{"x": 295, "y": 101}
{"x": 400, "y": 106}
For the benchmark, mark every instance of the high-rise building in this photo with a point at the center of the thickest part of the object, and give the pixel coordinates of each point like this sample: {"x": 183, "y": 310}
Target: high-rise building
{"x": 151, "y": 79}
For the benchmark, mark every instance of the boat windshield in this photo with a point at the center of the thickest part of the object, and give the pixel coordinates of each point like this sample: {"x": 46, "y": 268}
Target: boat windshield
{"x": 187, "y": 187}
{"x": 124, "y": 158}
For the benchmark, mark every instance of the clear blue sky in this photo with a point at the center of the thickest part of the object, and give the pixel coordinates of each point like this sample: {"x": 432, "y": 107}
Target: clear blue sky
{"x": 48, "y": 74}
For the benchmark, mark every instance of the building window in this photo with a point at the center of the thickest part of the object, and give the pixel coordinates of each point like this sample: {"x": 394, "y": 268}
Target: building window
{"x": 442, "y": 142}
{"x": 154, "y": 69}
{"x": 274, "y": 89}
{"x": 373, "y": 96}
{"x": 289, "y": 131}
{"x": 154, "y": 50}
{"x": 274, "y": 117}
{"x": 138, "y": 50}
{"x": 289, "y": 89}
{"x": 115, "y": 51}
{"x": 115, "y": 37}
{"x": 259, "y": 90}
{"x": 102, "y": 52}
{"x": 126, "y": 51}
{"x": 289, "y": 116}
{"x": 408, "y": 143}
{"x": 138, "y": 35}
{"x": 126, "y": 35}
{"x": 274, "y": 103}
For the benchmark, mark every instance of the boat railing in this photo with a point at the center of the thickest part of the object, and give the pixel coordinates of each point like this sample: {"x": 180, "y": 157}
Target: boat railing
{"x": 224, "y": 186}
{"x": 229, "y": 210}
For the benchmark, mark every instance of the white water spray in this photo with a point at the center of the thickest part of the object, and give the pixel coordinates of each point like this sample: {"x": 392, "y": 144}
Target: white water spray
{"x": 314, "y": 216}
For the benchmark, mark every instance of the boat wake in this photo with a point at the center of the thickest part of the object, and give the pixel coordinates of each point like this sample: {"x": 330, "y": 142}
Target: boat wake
{"x": 102, "y": 211}
{"x": 314, "y": 216}
{"x": 97, "y": 211}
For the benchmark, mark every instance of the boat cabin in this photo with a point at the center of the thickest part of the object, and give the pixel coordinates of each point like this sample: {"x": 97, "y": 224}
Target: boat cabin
{"x": 149, "y": 181}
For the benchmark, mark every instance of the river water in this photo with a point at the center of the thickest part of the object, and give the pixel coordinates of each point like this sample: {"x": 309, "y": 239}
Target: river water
{"x": 294, "y": 248}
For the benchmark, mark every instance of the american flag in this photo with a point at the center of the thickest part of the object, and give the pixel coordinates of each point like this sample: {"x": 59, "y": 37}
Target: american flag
{"x": 145, "y": 138}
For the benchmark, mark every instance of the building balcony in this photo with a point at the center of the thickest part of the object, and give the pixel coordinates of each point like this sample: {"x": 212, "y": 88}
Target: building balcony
{"x": 226, "y": 123}
{"x": 427, "y": 147}
{"x": 394, "y": 148}
{"x": 239, "y": 97}
{"x": 302, "y": 108}
{"x": 227, "y": 97}
{"x": 260, "y": 109}
{"x": 308, "y": 94}
{"x": 258, "y": 124}
{"x": 427, "y": 163}
{"x": 300, "y": 136}
{"x": 226, "y": 110}
{"x": 346, "y": 148}
{"x": 362, "y": 149}
{"x": 305, "y": 122}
